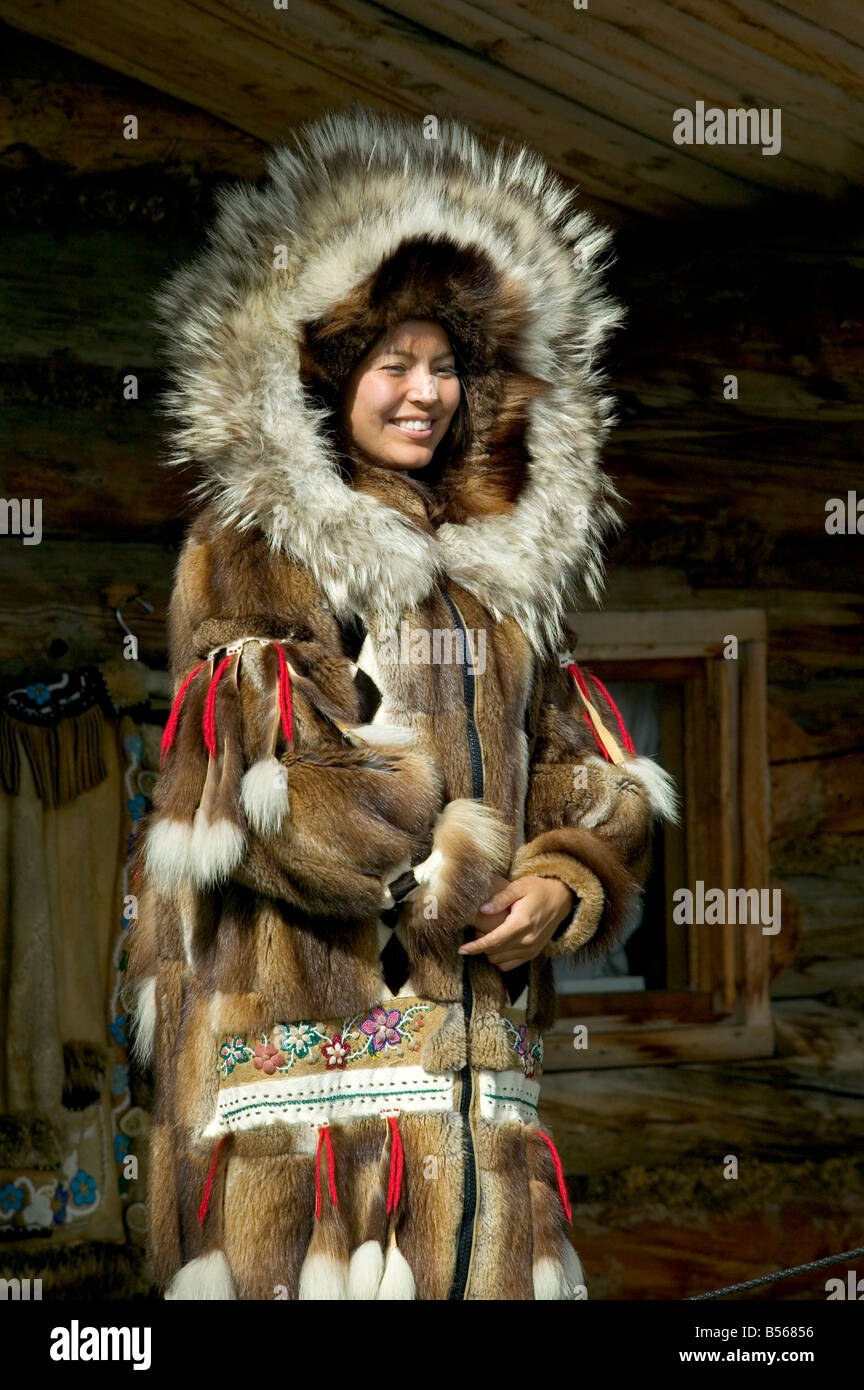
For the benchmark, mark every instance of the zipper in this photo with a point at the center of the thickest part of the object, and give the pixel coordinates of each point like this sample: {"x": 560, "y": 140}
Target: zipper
{"x": 471, "y": 1187}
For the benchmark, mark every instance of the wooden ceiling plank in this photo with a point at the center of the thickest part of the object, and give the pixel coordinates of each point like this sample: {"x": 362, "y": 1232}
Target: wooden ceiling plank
{"x": 823, "y": 159}
{"x": 481, "y": 90}
{"x": 654, "y": 36}
{"x": 845, "y": 18}
{"x": 193, "y": 55}
{"x": 197, "y": 59}
{"x": 800, "y": 44}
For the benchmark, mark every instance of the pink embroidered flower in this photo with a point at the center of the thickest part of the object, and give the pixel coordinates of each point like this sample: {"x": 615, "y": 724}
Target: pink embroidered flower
{"x": 335, "y": 1051}
{"x": 381, "y": 1027}
{"x": 267, "y": 1058}
{"x": 526, "y": 1055}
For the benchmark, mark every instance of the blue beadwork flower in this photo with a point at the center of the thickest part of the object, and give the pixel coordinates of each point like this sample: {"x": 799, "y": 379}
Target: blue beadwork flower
{"x": 122, "y": 1147}
{"x": 11, "y": 1197}
{"x": 137, "y": 806}
{"x": 61, "y": 1196}
{"x": 39, "y": 693}
{"x": 119, "y": 1079}
{"x": 118, "y": 1029}
{"x": 83, "y": 1189}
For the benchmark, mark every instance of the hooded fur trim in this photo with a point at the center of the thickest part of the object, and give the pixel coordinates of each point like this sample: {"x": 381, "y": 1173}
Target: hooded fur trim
{"x": 490, "y": 244}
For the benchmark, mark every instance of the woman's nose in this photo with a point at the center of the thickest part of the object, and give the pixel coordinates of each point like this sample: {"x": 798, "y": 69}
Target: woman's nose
{"x": 427, "y": 389}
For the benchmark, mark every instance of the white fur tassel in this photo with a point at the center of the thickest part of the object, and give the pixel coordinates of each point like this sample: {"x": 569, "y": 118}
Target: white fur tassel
{"x": 560, "y": 1279}
{"x": 217, "y": 848}
{"x": 397, "y": 1280}
{"x": 208, "y": 1277}
{"x": 168, "y": 853}
{"x": 661, "y": 789}
{"x": 264, "y": 796}
{"x": 144, "y": 1033}
{"x": 322, "y": 1277}
{"x": 365, "y": 1269}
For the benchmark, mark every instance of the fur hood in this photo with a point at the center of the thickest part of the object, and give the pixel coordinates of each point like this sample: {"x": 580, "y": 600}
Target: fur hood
{"x": 368, "y": 221}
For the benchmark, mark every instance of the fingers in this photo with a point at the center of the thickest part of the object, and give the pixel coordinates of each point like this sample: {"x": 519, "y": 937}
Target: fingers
{"x": 503, "y": 897}
{"x": 511, "y": 933}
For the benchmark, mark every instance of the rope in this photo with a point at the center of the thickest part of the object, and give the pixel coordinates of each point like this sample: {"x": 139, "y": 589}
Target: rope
{"x": 773, "y": 1278}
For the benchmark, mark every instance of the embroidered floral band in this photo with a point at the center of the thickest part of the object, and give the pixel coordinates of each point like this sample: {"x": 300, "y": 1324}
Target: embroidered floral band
{"x": 312, "y": 1072}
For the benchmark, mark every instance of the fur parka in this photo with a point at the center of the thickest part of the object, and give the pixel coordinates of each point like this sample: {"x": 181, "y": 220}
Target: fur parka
{"x": 374, "y": 713}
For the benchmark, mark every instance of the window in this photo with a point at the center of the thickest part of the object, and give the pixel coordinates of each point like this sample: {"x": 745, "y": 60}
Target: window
{"x": 691, "y": 689}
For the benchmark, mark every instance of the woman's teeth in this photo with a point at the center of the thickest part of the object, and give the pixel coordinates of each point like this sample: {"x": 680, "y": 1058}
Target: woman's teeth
{"x": 414, "y": 426}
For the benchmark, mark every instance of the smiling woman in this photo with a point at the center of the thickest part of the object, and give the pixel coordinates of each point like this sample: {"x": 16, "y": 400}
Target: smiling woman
{"x": 402, "y": 396}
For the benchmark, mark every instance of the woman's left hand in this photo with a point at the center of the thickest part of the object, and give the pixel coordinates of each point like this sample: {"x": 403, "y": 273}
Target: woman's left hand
{"x": 536, "y": 907}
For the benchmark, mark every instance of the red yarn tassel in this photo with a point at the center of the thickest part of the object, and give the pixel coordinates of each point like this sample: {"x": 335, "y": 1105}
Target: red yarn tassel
{"x": 324, "y": 1133}
{"x": 562, "y": 1190}
{"x": 285, "y": 706}
{"x": 580, "y": 681}
{"x": 210, "y": 706}
{"x": 208, "y": 1186}
{"x": 174, "y": 716}
{"x": 397, "y": 1156}
{"x": 626, "y": 739}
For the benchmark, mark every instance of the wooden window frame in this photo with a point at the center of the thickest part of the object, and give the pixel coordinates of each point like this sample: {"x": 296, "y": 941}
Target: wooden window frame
{"x": 724, "y": 1011}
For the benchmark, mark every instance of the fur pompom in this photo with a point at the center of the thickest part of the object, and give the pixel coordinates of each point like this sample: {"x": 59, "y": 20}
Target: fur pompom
{"x": 264, "y": 796}
{"x": 208, "y": 1277}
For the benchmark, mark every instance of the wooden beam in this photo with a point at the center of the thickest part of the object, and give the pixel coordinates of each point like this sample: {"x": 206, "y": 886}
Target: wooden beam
{"x": 317, "y": 56}
{"x": 639, "y": 84}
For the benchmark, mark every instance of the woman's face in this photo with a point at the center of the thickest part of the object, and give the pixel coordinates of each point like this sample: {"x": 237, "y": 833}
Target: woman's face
{"x": 402, "y": 395}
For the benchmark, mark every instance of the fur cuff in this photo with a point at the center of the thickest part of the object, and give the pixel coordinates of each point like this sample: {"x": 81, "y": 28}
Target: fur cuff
{"x": 470, "y": 843}
{"x": 594, "y": 872}
{"x": 587, "y": 888}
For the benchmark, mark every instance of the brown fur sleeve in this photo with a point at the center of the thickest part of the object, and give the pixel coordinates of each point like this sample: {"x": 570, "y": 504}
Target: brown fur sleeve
{"x": 315, "y": 819}
{"x": 587, "y": 820}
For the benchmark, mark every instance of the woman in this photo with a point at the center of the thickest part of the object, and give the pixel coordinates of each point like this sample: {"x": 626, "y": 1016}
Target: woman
{"x": 388, "y": 798}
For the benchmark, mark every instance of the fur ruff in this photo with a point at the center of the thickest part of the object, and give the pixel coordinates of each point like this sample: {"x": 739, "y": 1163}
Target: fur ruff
{"x": 360, "y": 188}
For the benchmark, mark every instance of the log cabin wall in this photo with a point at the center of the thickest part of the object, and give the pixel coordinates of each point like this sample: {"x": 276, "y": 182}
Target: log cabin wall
{"x": 726, "y": 509}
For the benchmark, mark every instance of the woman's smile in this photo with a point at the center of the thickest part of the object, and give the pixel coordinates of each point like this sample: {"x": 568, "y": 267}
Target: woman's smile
{"x": 414, "y": 426}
